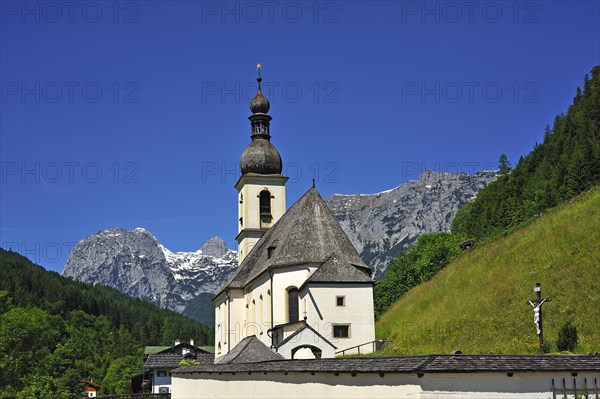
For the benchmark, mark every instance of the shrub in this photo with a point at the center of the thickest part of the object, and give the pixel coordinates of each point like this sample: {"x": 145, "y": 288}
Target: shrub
{"x": 188, "y": 362}
{"x": 567, "y": 338}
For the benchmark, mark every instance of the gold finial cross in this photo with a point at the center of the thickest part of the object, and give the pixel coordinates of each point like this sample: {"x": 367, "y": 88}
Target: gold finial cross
{"x": 258, "y": 68}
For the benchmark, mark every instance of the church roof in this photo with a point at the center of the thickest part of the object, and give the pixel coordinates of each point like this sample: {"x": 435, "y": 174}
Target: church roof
{"x": 337, "y": 270}
{"x": 249, "y": 350}
{"x": 307, "y": 233}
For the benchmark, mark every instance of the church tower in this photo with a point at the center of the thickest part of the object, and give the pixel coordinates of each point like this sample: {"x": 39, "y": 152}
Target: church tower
{"x": 261, "y": 188}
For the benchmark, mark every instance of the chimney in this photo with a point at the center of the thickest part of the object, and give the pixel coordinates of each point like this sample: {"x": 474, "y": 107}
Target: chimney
{"x": 192, "y": 341}
{"x": 177, "y": 342}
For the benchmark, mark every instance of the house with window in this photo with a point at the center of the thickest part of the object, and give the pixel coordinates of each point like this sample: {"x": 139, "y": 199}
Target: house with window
{"x": 301, "y": 288}
{"x": 160, "y": 360}
{"x": 91, "y": 388}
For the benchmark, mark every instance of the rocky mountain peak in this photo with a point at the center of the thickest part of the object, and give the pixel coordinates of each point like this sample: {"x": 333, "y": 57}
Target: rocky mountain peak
{"x": 379, "y": 225}
{"x": 136, "y": 263}
{"x": 214, "y": 247}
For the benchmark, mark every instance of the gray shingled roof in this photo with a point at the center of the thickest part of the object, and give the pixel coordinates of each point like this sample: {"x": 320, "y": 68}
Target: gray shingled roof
{"x": 305, "y": 327}
{"x": 249, "y": 350}
{"x": 307, "y": 233}
{"x": 514, "y": 363}
{"x": 337, "y": 270}
{"x": 414, "y": 364}
{"x": 176, "y": 349}
{"x": 168, "y": 361}
{"x": 162, "y": 361}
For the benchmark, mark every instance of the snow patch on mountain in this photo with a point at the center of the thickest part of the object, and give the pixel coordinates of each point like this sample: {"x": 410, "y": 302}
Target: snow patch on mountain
{"x": 135, "y": 262}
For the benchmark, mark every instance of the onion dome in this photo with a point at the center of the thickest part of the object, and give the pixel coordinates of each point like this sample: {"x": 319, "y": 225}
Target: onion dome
{"x": 261, "y": 157}
{"x": 259, "y": 104}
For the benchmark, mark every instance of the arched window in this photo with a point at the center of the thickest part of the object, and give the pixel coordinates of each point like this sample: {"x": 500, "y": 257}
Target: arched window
{"x": 265, "y": 203}
{"x": 293, "y": 310}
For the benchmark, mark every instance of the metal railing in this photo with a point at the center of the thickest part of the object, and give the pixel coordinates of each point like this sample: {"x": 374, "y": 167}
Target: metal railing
{"x": 375, "y": 346}
{"x": 583, "y": 391}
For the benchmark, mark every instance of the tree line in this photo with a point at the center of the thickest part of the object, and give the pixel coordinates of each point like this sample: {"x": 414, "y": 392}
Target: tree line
{"x": 55, "y": 331}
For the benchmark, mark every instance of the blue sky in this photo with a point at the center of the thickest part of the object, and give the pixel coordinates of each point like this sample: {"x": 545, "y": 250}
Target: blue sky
{"x": 134, "y": 113}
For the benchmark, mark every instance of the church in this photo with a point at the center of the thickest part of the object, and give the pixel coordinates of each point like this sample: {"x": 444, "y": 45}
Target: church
{"x": 301, "y": 296}
{"x": 301, "y": 288}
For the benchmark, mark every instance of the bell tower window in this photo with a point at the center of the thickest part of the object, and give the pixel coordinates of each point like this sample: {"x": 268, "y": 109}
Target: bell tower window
{"x": 266, "y": 216}
{"x": 260, "y": 127}
{"x": 265, "y": 203}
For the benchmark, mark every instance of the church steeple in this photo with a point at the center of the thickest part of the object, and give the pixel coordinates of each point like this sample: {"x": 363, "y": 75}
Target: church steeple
{"x": 261, "y": 188}
{"x": 259, "y": 104}
{"x": 260, "y": 156}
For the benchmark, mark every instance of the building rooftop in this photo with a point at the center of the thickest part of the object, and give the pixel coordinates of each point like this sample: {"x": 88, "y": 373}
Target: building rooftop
{"x": 307, "y": 233}
{"x": 412, "y": 364}
{"x": 148, "y": 350}
{"x": 337, "y": 270}
{"x": 169, "y": 361}
{"x": 208, "y": 349}
{"x": 249, "y": 350}
{"x": 299, "y": 331}
{"x": 92, "y": 384}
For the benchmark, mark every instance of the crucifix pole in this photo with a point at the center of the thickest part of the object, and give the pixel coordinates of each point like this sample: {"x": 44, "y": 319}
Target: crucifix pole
{"x": 537, "y": 313}
{"x": 538, "y": 291}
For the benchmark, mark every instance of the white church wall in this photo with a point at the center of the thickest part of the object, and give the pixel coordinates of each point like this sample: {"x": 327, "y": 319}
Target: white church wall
{"x": 283, "y": 279}
{"x": 251, "y": 315}
{"x": 526, "y": 385}
{"x": 357, "y": 312}
{"x": 250, "y": 310}
{"x": 229, "y": 313}
{"x": 257, "y": 317}
{"x": 220, "y": 323}
{"x": 286, "y": 330}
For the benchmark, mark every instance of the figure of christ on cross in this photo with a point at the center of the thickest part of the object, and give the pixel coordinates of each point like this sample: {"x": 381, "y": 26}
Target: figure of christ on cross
{"x": 537, "y": 313}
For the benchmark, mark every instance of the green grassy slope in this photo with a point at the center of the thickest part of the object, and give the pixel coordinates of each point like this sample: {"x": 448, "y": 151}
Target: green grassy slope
{"x": 478, "y": 303}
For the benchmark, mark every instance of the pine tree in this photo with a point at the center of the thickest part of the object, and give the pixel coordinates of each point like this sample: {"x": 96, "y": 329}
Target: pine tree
{"x": 504, "y": 165}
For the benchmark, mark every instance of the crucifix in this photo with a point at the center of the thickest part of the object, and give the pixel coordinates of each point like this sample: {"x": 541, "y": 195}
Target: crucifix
{"x": 537, "y": 313}
{"x": 305, "y": 309}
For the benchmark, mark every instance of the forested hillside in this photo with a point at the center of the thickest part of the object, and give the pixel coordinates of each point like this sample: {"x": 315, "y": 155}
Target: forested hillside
{"x": 478, "y": 303}
{"x": 55, "y": 331}
{"x": 202, "y": 309}
{"x": 566, "y": 164}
